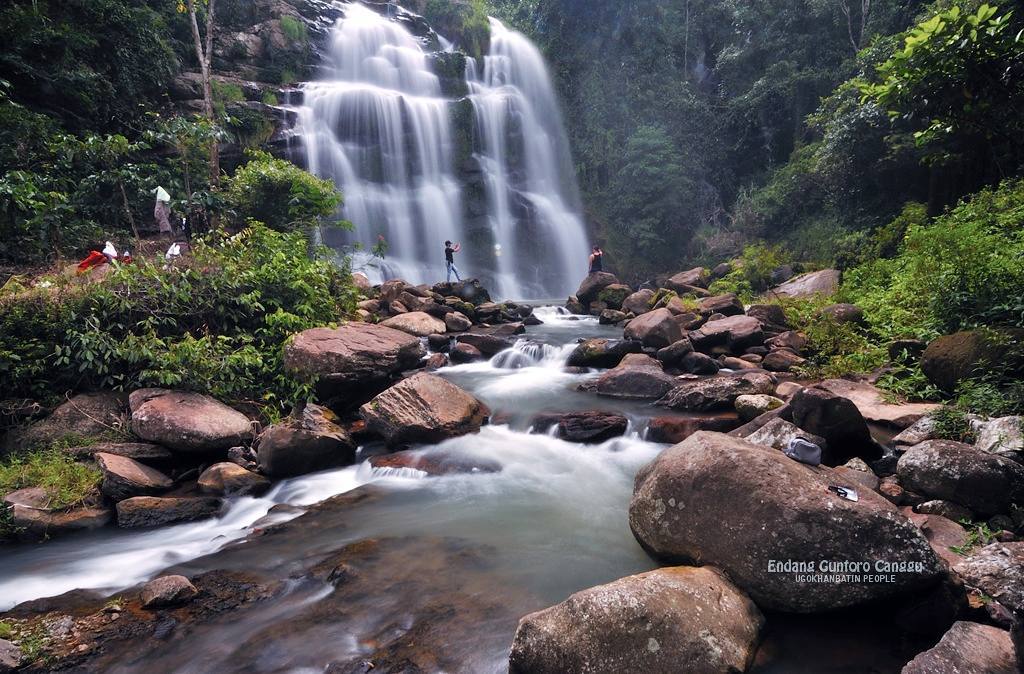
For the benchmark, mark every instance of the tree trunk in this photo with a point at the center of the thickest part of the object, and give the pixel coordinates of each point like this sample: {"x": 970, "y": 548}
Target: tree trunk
{"x": 204, "y": 54}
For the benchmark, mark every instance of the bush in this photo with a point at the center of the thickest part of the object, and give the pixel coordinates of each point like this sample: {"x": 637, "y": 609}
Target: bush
{"x": 216, "y": 323}
{"x": 280, "y": 194}
{"x": 752, "y": 273}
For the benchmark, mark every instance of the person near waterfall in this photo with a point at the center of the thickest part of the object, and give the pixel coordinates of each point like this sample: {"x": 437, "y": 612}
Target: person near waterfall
{"x": 162, "y": 212}
{"x": 449, "y": 258}
{"x": 596, "y": 260}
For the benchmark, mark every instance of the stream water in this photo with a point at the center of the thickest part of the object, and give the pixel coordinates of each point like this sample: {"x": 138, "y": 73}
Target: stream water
{"x": 466, "y": 553}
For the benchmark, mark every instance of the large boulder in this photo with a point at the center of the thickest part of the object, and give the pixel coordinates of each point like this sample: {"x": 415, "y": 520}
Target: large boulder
{"x": 781, "y": 360}
{"x": 824, "y": 282}
{"x": 468, "y": 291}
{"x": 154, "y": 511}
{"x": 952, "y": 471}
{"x": 835, "y": 418}
{"x": 685, "y": 280}
{"x": 874, "y": 407}
{"x": 124, "y": 477}
{"x": 487, "y": 344}
{"x": 843, "y": 313}
{"x": 310, "y": 441}
{"x": 717, "y": 392}
{"x": 639, "y": 302}
{"x": 656, "y": 329}
{"x": 10, "y": 657}
{"x": 417, "y": 323}
{"x": 699, "y": 363}
{"x": 752, "y": 406}
{"x": 968, "y": 648}
{"x": 584, "y": 427}
{"x": 353, "y": 358}
{"x": 772, "y": 315}
{"x": 602, "y": 353}
{"x": 614, "y": 295}
{"x": 727, "y": 305}
{"x": 735, "y": 332}
{"x": 673, "y": 354}
{"x": 666, "y": 620}
{"x": 952, "y": 358}
{"x": 34, "y": 521}
{"x": 754, "y": 513}
{"x": 230, "y": 479}
{"x": 997, "y": 571}
{"x": 423, "y": 409}
{"x": 187, "y": 422}
{"x": 457, "y": 322}
{"x": 87, "y": 415}
{"x": 592, "y": 286}
{"x": 1004, "y": 436}
{"x": 673, "y": 430}
{"x": 637, "y": 377}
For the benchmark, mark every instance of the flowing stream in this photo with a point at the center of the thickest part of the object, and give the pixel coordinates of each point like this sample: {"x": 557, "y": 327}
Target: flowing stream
{"x": 379, "y": 125}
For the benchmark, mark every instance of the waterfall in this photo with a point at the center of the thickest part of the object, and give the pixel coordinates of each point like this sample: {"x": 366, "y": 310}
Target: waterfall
{"x": 378, "y": 124}
{"x": 534, "y": 203}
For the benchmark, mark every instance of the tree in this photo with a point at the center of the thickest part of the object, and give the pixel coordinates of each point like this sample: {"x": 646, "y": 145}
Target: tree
{"x": 856, "y": 37}
{"x": 204, "y": 54}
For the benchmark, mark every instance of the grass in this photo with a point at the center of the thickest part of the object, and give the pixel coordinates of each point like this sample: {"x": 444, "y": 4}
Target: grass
{"x": 66, "y": 482}
{"x": 951, "y": 423}
{"x": 978, "y": 535}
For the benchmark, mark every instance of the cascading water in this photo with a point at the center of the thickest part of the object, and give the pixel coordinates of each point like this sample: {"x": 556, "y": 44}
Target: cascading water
{"x": 380, "y": 127}
{"x": 534, "y": 204}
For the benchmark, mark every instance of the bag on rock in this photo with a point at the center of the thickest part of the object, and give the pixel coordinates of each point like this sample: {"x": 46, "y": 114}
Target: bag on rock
{"x": 803, "y": 451}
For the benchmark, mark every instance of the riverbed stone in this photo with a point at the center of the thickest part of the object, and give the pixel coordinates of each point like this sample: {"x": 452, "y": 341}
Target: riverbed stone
{"x": 1003, "y": 436}
{"x": 583, "y": 427}
{"x": 187, "y": 422}
{"x": 86, "y": 415}
{"x": 146, "y": 452}
{"x": 871, "y": 403}
{"x": 457, "y": 322}
{"x": 155, "y": 511}
{"x": 778, "y": 433}
{"x": 309, "y": 441}
{"x": 353, "y": 358}
{"x": 677, "y": 515}
{"x": 435, "y": 462}
{"x": 823, "y": 282}
{"x": 673, "y": 430}
{"x": 639, "y": 302}
{"x": 656, "y": 329}
{"x": 716, "y": 392}
{"x": 488, "y": 344}
{"x": 167, "y": 591}
{"x": 417, "y": 323}
{"x": 124, "y": 477}
{"x": 637, "y": 377}
{"x": 752, "y": 406}
{"x": 592, "y": 286}
{"x": 921, "y": 430}
{"x": 602, "y": 353}
{"x": 953, "y": 471}
{"x": 735, "y": 332}
{"x": 650, "y": 622}
{"x": 968, "y": 648}
{"x": 782, "y": 360}
{"x": 770, "y": 315}
{"x": 952, "y": 358}
{"x": 10, "y": 656}
{"x": 672, "y": 355}
{"x": 230, "y": 479}
{"x": 34, "y": 523}
{"x": 699, "y": 363}
{"x": 997, "y": 570}
{"x": 727, "y": 305}
{"x": 424, "y": 409}
{"x": 835, "y": 418}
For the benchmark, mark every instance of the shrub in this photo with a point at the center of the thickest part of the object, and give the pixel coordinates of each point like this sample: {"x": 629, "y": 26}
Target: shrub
{"x": 753, "y": 271}
{"x": 952, "y": 423}
{"x": 279, "y": 193}
{"x": 294, "y": 30}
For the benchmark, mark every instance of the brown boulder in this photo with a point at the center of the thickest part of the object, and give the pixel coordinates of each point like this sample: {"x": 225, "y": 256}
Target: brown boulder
{"x": 602, "y": 353}
{"x": 435, "y": 462}
{"x": 943, "y": 534}
{"x": 727, "y": 305}
{"x": 824, "y": 282}
{"x": 592, "y": 286}
{"x": 140, "y": 451}
{"x": 154, "y": 511}
{"x": 353, "y": 357}
{"x": 952, "y": 358}
{"x": 778, "y": 511}
{"x": 781, "y": 360}
{"x": 843, "y": 313}
{"x": 968, "y": 648}
{"x": 651, "y": 622}
{"x": 673, "y": 430}
{"x": 873, "y": 405}
{"x": 583, "y": 427}
{"x": 457, "y": 322}
{"x": 656, "y": 329}
{"x": 952, "y": 471}
{"x": 187, "y": 422}
{"x": 229, "y": 479}
{"x": 417, "y": 323}
{"x": 735, "y": 332}
{"x": 693, "y": 278}
{"x": 124, "y": 477}
{"x": 717, "y": 392}
{"x": 34, "y": 523}
{"x": 997, "y": 571}
{"x": 637, "y": 377}
{"x": 487, "y": 344}
{"x": 314, "y": 440}
{"x": 835, "y": 418}
{"x": 423, "y": 409}
{"x": 167, "y": 591}
{"x": 638, "y": 303}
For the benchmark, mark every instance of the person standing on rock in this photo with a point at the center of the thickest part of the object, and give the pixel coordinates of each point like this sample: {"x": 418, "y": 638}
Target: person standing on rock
{"x": 596, "y": 260}
{"x": 449, "y": 258}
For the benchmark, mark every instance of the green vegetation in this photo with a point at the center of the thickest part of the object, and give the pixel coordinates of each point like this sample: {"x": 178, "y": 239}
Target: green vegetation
{"x": 952, "y": 423}
{"x": 66, "y": 482}
{"x": 294, "y": 30}
{"x": 465, "y": 21}
{"x": 978, "y": 536}
{"x": 752, "y": 271}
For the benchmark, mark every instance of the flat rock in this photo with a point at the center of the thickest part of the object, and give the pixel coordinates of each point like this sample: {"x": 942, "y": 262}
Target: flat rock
{"x": 487, "y": 344}
{"x": 824, "y": 282}
{"x": 230, "y": 479}
{"x": 952, "y": 471}
{"x": 727, "y": 305}
{"x": 124, "y": 477}
{"x": 673, "y": 430}
{"x": 716, "y": 392}
{"x": 735, "y": 332}
{"x": 637, "y": 377}
{"x": 36, "y": 524}
{"x": 677, "y": 515}
{"x": 873, "y": 406}
{"x": 651, "y": 622}
{"x": 1004, "y": 436}
{"x": 348, "y": 359}
{"x": 418, "y": 323}
{"x": 154, "y": 511}
{"x": 583, "y": 427}
{"x": 424, "y": 409}
{"x": 656, "y": 329}
{"x": 692, "y": 278}
{"x": 167, "y": 591}
{"x": 968, "y": 648}
{"x": 187, "y": 422}
{"x": 310, "y": 441}
{"x": 921, "y": 430}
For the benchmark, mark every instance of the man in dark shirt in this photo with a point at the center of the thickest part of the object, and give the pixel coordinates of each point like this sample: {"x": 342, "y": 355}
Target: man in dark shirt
{"x": 449, "y": 258}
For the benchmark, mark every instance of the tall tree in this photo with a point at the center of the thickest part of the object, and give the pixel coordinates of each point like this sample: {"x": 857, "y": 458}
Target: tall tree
{"x": 204, "y": 54}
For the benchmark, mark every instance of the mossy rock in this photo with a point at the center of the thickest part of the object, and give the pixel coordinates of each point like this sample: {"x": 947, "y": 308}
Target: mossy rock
{"x": 614, "y": 295}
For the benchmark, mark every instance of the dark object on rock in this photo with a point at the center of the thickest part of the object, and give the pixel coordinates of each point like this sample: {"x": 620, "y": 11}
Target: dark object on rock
{"x": 311, "y": 441}
{"x": 465, "y": 353}
{"x": 837, "y": 419}
{"x": 424, "y": 408}
{"x": 778, "y": 433}
{"x": 124, "y": 477}
{"x": 656, "y": 329}
{"x": 353, "y": 359}
{"x": 602, "y": 353}
{"x": 949, "y": 360}
{"x": 583, "y": 427}
{"x": 651, "y": 622}
{"x": 968, "y": 648}
{"x": 167, "y": 591}
{"x": 779, "y": 510}
{"x": 952, "y": 471}
{"x": 154, "y": 511}
{"x": 727, "y": 305}
{"x": 229, "y": 479}
{"x": 187, "y": 422}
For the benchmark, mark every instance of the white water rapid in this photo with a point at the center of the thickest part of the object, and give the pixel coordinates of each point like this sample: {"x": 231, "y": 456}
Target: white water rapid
{"x": 378, "y": 124}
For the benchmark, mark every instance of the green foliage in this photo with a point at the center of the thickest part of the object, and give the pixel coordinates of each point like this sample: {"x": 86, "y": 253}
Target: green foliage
{"x": 294, "y": 29}
{"x": 465, "y": 21}
{"x": 978, "y": 536}
{"x": 833, "y": 348}
{"x": 752, "y": 272}
{"x": 66, "y": 482}
{"x": 952, "y": 423}
{"x": 279, "y": 193}
{"x": 215, "y": 324}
